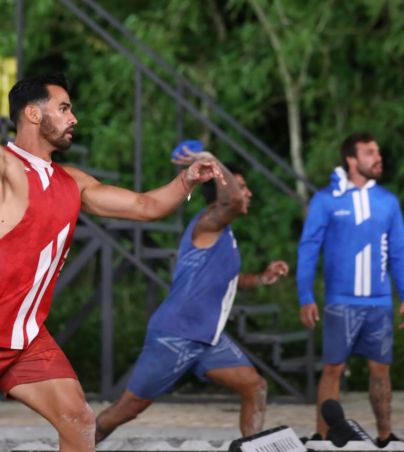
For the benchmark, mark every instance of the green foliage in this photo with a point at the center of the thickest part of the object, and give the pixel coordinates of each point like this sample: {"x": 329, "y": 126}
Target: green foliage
{"x": 7, "y": 37}
{"x": 350, "y": 79}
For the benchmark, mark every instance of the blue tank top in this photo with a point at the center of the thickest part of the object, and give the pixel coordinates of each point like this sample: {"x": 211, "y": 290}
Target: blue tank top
{"x": 203, "y": 288}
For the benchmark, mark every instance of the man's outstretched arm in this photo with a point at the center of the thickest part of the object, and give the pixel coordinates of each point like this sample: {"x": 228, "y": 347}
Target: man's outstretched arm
{"x": 110, "y": 201}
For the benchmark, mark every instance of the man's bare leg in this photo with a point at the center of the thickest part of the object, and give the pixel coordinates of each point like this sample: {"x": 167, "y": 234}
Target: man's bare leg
{"x": 253, "y": 390}
{"x": 380, "y": 397}
{"x": 328, "y": 388}
{"x": 62, "y": 402}
{"x": 126, "y": 408}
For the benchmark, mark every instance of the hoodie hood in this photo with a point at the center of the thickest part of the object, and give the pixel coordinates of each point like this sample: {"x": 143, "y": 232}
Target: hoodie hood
{"x": 340, "y": 183}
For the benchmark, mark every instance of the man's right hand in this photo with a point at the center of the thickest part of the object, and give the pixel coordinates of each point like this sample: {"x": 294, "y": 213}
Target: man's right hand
{"x": 309, "y": 315}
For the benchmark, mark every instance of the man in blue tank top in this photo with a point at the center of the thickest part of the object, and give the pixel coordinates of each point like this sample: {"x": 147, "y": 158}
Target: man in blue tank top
{"x": 186, "y": 331}
{"x": 359, "y": 227}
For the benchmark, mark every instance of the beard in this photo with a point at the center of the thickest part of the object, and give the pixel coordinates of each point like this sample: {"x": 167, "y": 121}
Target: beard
{"x": 53, "y": 135}
{"x": 374, "y": 172}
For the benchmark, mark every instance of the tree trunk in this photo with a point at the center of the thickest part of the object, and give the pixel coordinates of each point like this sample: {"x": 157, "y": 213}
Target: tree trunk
{"x": 295, "y": 137}
{"x": 292, "y": 94}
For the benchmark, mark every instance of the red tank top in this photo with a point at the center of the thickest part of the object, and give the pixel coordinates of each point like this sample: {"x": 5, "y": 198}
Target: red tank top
{"x": 32, "y": 254}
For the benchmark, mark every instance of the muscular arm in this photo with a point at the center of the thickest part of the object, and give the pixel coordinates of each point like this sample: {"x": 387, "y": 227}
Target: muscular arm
{"x": 111, "y": 201}
{"x": 220, "y": 213}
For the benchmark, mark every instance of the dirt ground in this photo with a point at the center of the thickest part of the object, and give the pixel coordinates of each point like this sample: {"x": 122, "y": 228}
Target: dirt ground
{"x": 208, "y": 420}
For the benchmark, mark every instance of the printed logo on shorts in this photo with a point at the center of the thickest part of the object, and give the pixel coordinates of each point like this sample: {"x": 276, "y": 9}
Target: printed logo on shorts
{"x": 226, "y": 344}
{"x": 181, "y": 348}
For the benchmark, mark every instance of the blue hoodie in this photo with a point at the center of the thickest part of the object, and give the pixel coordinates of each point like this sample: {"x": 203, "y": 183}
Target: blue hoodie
{"x": 361, "y": 233}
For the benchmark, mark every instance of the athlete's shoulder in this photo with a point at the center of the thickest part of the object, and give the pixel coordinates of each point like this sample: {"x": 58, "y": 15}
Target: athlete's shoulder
{"x": 323, "y": 196}
{"x": 68, "y": 169}
{"x": 385, "y": 195}
{"x": 83, "y": 179}
{"x": 326, "y": 191}
{"x": 12, "y": 167}
{"x": 63, "y": 172}
{"x": 11, "y": 158}
{"x": 382, "y": 191}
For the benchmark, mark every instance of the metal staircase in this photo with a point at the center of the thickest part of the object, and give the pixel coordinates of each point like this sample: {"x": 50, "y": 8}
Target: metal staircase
{"x": 277, "y": 352}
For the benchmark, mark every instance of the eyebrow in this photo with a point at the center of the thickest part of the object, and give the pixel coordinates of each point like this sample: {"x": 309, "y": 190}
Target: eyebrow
{"x": 65, "y": 104}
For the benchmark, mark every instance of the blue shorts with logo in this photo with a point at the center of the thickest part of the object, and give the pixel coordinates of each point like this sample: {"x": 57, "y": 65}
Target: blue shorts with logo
{"x": 165, "y": 358}
{"x": 357, "y": 330}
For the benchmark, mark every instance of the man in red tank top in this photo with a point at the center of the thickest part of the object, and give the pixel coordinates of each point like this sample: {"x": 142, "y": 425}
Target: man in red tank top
{"x": 39, "y": 205}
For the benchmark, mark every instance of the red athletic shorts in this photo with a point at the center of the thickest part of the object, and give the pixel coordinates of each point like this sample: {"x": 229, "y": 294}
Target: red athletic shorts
{"x": 42, "y": 360}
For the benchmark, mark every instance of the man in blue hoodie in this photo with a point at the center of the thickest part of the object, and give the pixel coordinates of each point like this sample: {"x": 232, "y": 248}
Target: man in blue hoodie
{"x": 359, "y": 228}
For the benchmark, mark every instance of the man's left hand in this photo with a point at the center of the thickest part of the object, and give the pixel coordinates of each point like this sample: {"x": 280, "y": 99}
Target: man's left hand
{"x": 203, "y": 170}
{"x": 274, "y": 271}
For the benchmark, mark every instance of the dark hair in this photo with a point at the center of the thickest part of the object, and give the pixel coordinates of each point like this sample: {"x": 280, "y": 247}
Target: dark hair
{"x": 348, "y": 147}
{"x": 209, "y": 190}
{"x": 32, "y": 89}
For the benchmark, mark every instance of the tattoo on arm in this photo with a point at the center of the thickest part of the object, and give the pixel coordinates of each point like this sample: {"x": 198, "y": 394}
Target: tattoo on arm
{"x": 229, "y": 193}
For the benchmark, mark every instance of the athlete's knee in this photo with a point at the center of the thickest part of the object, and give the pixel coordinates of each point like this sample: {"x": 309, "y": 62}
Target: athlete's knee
{"x": 78, "y": 416}
{"x": 261, "y": 385}
{"x": 379, "y": 370}
{"x": 333, "y": 371}
{"x": 256, "y": 387}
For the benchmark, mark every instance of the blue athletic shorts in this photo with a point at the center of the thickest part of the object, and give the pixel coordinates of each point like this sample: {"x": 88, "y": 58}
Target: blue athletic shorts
{"x": 165, "y": 358}
{"x": 357, "y": 330}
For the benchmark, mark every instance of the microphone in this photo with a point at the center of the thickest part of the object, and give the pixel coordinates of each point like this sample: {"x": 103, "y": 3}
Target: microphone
{"x": 341, "y": 430}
